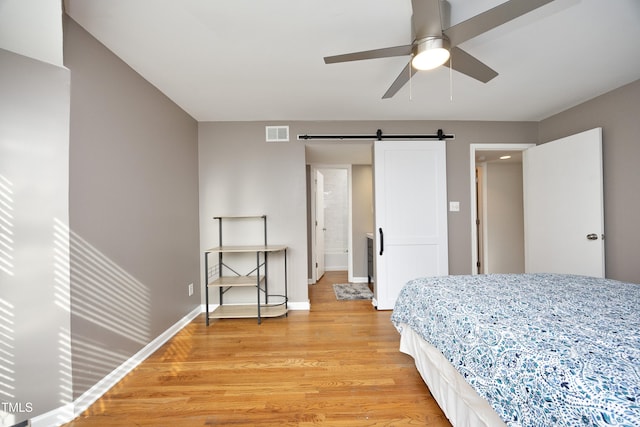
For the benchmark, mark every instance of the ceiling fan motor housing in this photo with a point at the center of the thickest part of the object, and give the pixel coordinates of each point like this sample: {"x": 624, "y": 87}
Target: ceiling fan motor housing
{"x": 430, "y": 52}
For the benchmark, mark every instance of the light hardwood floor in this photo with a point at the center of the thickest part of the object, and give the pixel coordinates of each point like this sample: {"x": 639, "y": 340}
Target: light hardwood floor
{"x": 336, "y": 365}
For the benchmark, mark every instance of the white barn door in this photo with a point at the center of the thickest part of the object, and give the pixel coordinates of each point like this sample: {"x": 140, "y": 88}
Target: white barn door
{"x": 563, "y": 205}
{"x": 410, "y": 191}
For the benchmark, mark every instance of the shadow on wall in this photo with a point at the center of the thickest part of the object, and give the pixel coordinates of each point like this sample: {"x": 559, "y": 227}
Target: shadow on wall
{"x": 7, "y": 361}
{"x": 7, "y": 310}
{"x": 109, "y": 310}
{"x": 6, "y": 226}
{"x": 107, "y": 305}
{"x": 15, "y": 405}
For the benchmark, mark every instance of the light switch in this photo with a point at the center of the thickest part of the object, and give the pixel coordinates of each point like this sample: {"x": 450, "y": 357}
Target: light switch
{"x": 454, "y": 206}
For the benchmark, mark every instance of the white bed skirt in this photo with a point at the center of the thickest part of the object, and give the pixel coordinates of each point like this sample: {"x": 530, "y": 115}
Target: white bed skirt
{"x": 457, "y": 399}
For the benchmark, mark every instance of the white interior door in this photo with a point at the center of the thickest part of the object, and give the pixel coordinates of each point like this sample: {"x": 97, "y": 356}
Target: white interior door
{"x": 319, "y": 227}
{"x": 563, "y": 205}
{"x": 410, "y": 191}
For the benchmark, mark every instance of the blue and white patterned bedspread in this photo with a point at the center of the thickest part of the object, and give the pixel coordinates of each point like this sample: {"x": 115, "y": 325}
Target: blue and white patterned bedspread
{"x": 542, "y": 349}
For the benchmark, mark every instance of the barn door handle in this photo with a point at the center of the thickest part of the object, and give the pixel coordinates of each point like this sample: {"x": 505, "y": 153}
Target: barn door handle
{"x": 381, "y": 240}
{"x": 592, "y": 236}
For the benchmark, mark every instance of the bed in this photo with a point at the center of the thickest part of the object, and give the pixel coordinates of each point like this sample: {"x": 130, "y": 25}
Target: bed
{"x": 525, "y": 349}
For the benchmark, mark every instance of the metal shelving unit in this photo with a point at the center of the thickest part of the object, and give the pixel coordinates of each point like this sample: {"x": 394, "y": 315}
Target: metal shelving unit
{"x": 267, "y": 305}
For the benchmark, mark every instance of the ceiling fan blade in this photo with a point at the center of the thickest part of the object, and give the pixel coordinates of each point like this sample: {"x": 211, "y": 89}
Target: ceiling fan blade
{"x": 490, "y": 19}
{"x": 426, "y": 20}
{"x": 400, "y": 81}
{"x": 464, "y": 63}
{"x": 370, "y": 54}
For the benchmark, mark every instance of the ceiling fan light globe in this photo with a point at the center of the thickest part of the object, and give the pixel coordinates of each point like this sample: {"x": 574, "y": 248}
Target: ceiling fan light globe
{"x": 430, "y": 59}
{"x": 430, "y": 53}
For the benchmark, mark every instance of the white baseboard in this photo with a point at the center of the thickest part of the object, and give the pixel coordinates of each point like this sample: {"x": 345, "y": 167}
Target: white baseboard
{"x": 212, "y": 307}
{"x": 305, "y": 305}
{"x": 68, "y": 412}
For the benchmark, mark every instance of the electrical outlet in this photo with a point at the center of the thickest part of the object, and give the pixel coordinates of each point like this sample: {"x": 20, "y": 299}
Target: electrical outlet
{"x": 190, "y": 289}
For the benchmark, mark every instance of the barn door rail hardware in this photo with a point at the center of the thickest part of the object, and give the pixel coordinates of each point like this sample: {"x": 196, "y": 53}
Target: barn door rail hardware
{"x": 380, "y": 136}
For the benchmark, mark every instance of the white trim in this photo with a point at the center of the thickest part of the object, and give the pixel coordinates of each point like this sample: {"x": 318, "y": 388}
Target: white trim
{"x": 485, "y": 215}
{"x": 350, "y": 222}
{"x": 68, "y": 412}
{"x": 472, "y": 179}
{"x": 303, "y": 305}
{"x": 313, "y": 188}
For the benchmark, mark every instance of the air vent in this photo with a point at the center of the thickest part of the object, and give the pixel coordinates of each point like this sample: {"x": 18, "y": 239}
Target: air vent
{"x": 277, "y": 133}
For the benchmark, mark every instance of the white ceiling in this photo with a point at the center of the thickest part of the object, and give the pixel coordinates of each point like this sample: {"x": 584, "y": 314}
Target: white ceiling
{"x": 263, "y": 60}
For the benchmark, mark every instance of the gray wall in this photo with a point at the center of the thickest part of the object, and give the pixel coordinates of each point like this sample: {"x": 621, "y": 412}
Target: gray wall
{"x": 34, "y": 243}
{"x": 133, "y": 210}
{"x": 241, "y": 174}
{"x": 618, "y": 113}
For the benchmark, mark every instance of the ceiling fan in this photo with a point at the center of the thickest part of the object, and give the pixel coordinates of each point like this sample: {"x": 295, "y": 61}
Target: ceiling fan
{"x": 433, "y": 45}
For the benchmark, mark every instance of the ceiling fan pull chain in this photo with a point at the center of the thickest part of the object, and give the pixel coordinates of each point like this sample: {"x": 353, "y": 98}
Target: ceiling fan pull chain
{"x": 410, "y": 84}
{"x": 450, "y": 79}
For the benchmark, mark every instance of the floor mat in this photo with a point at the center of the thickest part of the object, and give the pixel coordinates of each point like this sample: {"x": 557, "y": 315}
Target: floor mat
{"x": 352, "y": 291}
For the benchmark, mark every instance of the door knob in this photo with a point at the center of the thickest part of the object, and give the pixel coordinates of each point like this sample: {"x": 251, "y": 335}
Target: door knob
{"x": 592, "y": 236}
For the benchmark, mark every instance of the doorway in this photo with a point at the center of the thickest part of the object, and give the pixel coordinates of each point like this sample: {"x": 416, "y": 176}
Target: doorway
{"x": 356, "y": 158}
{"x": 331, "y": 220}
{"x": 497, "y": 221}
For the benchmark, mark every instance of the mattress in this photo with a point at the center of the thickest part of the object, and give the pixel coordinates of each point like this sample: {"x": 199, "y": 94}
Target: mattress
{"x": 462, "y": 405}
{"x": 540, "y": 349}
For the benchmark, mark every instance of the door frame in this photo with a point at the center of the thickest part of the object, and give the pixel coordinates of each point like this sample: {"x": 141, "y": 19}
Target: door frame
{"x": 472, "y": 185}
{"x": 312, "y": 217}
{"x": 318, "y": 256}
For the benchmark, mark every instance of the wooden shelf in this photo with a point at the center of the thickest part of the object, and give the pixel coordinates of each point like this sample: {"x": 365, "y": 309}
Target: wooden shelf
{"x": 237, "y": 311}
{"x": 236, "y": 281}
{"x": 247, "y": 249}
